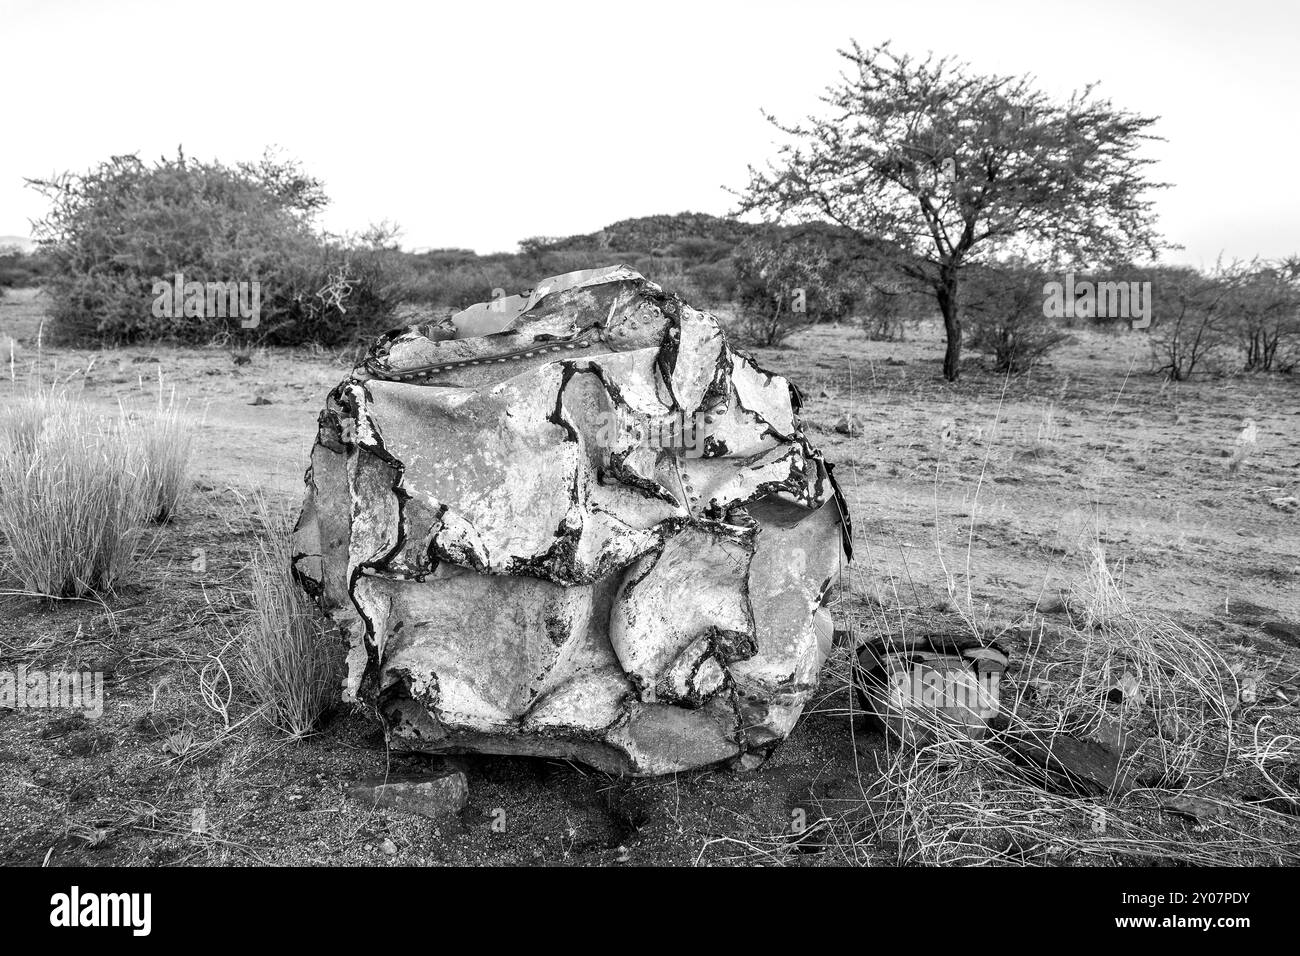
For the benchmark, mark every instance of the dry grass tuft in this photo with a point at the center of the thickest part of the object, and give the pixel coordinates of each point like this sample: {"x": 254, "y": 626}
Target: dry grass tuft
{"x": 72, "y": 510}
{"x": 166, "y": 443}
{"x": 78, "y": 489}
{"x": 1163, "y": 701}
{"x": 288, "y": 661}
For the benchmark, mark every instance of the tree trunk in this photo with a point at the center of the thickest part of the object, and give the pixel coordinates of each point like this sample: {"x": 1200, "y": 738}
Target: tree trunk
{"x": 774, "y": 336}
{"x": 947, "y": 293}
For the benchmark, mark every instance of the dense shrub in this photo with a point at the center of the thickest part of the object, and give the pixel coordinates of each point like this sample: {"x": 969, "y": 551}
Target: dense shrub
{"x": 114, "y": 232}
{"x": 886, "y": 307}
{"x": 1263, "y": 315}
{"x": 700, "y": 249}
{"x": 459, "y": 284}
{"x": 1189, "y": 319}
{"x": 710, "y": 283}
{"x": 1005, "y": 316}
{"x": 1234, "y": 317}
{"x": 789, "y": 280}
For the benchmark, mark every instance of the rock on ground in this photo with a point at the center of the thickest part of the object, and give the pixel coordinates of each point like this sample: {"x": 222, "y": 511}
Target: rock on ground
{"x": 434, "y": 796}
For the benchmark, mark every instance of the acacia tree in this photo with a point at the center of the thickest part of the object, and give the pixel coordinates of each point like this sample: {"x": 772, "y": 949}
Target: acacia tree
{"x": 952, "y": 168}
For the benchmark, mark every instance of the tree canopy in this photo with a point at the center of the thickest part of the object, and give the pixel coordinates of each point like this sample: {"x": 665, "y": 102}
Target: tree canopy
{"x": 949, "y": 168}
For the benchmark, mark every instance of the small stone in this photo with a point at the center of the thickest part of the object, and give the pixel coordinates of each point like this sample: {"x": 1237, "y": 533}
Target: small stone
{"x": 848, "y": 425}
{"x": 1194, "y": 807}
{"x": 1285, "y": 630}
{"x": 433, "y": 796}
{"x": 389, "y": 848}
{"x": 1054, "y": 604}
{"x": 747, "y": 761}
{"x": 1248, "y": 692}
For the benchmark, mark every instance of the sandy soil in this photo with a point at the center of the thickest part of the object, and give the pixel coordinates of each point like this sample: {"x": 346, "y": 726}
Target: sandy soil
{"x": 991, "y": 493}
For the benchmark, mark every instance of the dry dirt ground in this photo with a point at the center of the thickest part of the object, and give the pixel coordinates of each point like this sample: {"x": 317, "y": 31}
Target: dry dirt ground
{"x": 979, "y": 502}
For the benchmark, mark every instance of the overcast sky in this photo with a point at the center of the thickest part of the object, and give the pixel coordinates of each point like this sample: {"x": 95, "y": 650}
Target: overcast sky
{"x": 477, "y": 124}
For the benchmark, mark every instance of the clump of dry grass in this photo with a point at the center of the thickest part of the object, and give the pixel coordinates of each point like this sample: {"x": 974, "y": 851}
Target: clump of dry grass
{"x": 72, "y": 510}
{"x": 1174, "y": 691}
{"x": 166, "y": 442}
{"x": 288, "y": 662}
{"x": 1047, "y": 435}
{"x": 20, "y": 423}
{"x": 78, "y": 489}
{"x": 1163, "y": 700}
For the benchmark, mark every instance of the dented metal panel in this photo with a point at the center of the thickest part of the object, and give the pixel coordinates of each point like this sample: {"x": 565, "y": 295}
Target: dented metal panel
{"x": 576, "y": 524}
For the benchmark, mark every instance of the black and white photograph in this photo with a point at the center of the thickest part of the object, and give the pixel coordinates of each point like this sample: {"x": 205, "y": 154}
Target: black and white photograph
{"x": 768, "y": 435}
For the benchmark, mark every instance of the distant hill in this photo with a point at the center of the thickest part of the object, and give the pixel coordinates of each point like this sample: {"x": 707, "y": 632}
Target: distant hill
{"x": 655, "y": 235}
{"x": 693, "y": 254}
{"x": 692, "y": 238}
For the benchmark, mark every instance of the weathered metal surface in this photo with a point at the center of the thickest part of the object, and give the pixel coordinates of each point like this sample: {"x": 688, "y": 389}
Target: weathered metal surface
{"x": 575, "y": 524}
